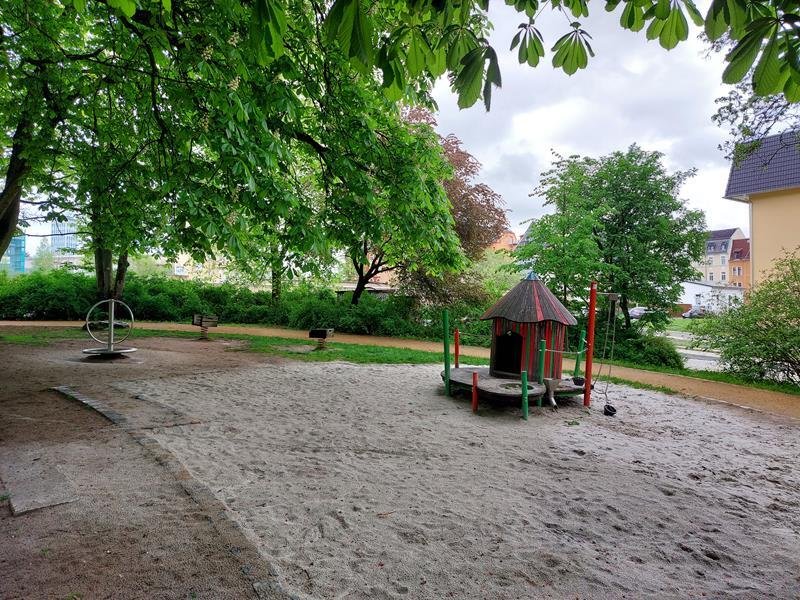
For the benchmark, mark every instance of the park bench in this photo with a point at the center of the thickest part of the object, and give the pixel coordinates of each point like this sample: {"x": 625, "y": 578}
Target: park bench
{"x": 321, "y": 335}
{"x": 204, "y": 322}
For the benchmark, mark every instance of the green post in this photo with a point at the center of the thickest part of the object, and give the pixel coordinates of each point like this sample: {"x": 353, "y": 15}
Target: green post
{"x": 446, "y": 322}
{"x": 581, "y": 348}
{"x": 540, "y": 366}
{"x": 524, "y": 375}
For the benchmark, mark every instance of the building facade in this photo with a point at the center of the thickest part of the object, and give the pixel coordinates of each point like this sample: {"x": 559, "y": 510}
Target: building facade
{"x": 768, "y": 179}
{"x": 507, "y": 241}
{"x": 65, "y": 242}
{"x": 713, "y": 298}
{"x": 739, "y": 262}
{"x": 714, "y": 267}
{"x": 14, "y": 259}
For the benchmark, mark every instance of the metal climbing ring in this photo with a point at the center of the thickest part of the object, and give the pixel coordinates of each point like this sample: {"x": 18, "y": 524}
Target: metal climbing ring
{"x": 111, "y": 321}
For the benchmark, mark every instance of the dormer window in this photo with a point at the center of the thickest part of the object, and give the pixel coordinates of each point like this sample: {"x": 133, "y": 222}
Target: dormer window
{"x": 723, "y": 246}
{"x": 711, "y": 247}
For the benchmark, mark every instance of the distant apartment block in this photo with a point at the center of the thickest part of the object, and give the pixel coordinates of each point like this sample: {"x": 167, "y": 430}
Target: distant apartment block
{"x": 768, "y": 180}
{"x": 65, "y": 242}
{"x": 13, "y": 260}
{"x": 714, "y": 267}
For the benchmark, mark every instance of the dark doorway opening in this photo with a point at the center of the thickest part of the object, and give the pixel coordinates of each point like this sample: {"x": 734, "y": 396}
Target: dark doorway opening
{"x": 508, "y": 353}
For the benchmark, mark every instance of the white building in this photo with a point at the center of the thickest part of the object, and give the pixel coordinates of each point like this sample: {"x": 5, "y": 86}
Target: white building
{"x": 713, "y": 298}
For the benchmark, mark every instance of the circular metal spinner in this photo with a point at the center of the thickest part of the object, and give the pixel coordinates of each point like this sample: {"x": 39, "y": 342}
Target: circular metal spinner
{"x": 109, "y": 325}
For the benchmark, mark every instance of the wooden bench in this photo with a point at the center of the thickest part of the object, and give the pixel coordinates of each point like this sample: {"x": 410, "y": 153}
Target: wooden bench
{"x": 321, "y": 335}
{"x": 204, "y": 322}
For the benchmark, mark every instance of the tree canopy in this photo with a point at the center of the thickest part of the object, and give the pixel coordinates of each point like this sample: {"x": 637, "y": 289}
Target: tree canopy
{"x": 191, "y": 124}
{"x": 617, "y": 219}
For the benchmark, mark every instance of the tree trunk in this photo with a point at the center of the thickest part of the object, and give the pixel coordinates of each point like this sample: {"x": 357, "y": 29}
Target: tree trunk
{"x": 103, "y": 272}
{"x": 361, "y": 285}
{"x": 18, "y": 168}
{"x": 276, "y": 274}
{"x": 110, "y": 284}
{"x": 119, "y": 278}
{"x": 623, "y": 304}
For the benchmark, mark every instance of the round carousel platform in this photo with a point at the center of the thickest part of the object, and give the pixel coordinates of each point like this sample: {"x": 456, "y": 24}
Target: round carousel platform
{"x": 503, "y": 388}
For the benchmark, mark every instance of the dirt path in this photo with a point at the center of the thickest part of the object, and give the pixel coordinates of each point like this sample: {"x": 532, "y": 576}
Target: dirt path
{"x": 753, "y": 398}
{"x": 123, "y": 523}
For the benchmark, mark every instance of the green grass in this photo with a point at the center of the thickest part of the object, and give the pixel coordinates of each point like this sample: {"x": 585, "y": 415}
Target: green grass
{"x": 275, "y": 346}
{"x": 722, "y": 377}
{"x": 681, "y": 324}
{"x": 40, "y": 336}
{"x": 355, "y": 353}
{"x": 634, "y": 384}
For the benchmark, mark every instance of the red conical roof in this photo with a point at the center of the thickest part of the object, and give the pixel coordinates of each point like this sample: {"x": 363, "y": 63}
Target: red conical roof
{"x": 530, "y": 302}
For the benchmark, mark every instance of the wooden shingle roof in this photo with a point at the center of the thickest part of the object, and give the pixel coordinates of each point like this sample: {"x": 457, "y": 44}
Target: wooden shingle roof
{"x": 530, "y": 302}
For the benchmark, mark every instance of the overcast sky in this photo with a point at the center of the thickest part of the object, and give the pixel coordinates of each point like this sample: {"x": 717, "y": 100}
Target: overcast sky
{"x": 632, "y": 91}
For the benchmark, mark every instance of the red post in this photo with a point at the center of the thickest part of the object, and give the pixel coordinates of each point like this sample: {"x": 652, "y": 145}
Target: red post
{"x": 587, "y": 390}
{"x": 457, "y": 339}
{"x": 474, "y": 391}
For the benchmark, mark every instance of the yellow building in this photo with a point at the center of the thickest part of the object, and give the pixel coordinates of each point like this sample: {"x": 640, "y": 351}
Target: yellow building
{"x": 768, "y": 179}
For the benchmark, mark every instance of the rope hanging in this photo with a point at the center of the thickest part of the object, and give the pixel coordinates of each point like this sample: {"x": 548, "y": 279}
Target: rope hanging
{"x": 612, "y": 313}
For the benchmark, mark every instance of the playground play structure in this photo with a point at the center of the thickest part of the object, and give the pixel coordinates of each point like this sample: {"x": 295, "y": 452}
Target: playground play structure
{"x": 529, "y": 331}
{"x": 113, "y": 321}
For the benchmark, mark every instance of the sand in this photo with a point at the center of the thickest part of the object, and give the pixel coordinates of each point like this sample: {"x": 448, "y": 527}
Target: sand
{"x": 366, "y": 482}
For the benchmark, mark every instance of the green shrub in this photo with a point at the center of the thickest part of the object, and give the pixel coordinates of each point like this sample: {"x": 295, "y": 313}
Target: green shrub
{"x": 648, "y": 350}
{"x": 760, "y": 339}
{"x": 56, "y": 294}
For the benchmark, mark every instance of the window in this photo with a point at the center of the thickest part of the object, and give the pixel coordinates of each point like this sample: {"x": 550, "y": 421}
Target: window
{"x": 723, "y": 276}
{"x": 711, "y": 247}
{"x": 737, "y": 254}
{"x": 723, "y": 246}
{"x": 710, "y": 260}
{"x": 711, "y": 277}
{"x": 739, "y": 284}
{"x": 722, "y": 260}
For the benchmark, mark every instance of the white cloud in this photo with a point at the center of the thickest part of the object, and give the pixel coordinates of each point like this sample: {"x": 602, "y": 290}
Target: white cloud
{"x": 633, "y": 92}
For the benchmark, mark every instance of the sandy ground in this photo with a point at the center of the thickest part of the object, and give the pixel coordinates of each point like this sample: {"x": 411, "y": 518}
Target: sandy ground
{"x": 130, "y": 529}
{"x": 757, "y": 399}
{"x": 366, "y": 482}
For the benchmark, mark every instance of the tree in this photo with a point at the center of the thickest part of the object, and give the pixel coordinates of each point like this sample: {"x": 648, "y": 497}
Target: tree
{"x": 760, "y": 339}
{"x": 617, "y": 219}
{"x": 185, "y": 58}
{"x": 393, "y": 212}
{"x": 44, "y": 259}
{"x": 479, "y": 219}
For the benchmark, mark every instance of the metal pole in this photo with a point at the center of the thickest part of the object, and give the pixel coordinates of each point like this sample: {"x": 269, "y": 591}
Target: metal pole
{"x": 581, "y": 347}
{"x": 111, "y": 324}
{"x": 446, "y": 324}
{"x": 525, "y": 395}
{"x": 587, "y": 390}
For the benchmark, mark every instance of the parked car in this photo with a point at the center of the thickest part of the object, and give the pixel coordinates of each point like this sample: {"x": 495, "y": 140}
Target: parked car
{"x": 637, "y": 312}
{"x": 695, "y": 313}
